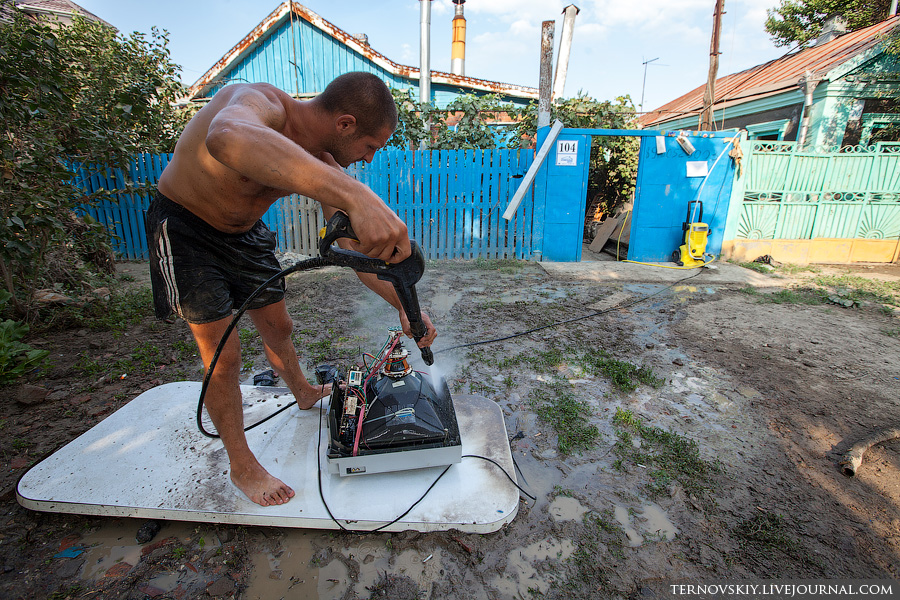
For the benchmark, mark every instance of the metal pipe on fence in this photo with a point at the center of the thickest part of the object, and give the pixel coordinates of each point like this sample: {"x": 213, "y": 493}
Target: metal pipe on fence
{"x": 425, "y": 51}
{"x": 565, "y": 47}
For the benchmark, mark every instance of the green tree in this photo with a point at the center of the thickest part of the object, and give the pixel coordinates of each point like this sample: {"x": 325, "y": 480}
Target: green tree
{"x": 79, "y": 95}
{"x": 801, "y": 21}
{"x": 469, "y": 122}
{"x": 472, "y": 121}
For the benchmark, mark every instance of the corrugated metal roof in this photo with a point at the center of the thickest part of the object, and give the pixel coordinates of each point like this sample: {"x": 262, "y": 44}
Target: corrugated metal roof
{"x": 774, "y": 76}
{"x": 209, "y": 80}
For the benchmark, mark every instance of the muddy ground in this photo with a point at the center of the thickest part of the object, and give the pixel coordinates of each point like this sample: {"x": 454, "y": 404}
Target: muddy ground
{"x": 722, "y": 464}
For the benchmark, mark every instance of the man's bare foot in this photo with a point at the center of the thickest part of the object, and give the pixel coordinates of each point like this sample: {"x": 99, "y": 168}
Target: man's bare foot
{"x": 260, "y": 487}
{"x": 311, "y": 394}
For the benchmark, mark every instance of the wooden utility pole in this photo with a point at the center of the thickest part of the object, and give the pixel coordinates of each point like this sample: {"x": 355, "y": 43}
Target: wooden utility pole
{"x": 709, "y": 96}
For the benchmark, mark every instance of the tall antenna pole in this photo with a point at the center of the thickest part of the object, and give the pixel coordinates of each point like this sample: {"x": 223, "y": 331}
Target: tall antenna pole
{"x": 709, "y": 96}
{"x": 644, "y": 86}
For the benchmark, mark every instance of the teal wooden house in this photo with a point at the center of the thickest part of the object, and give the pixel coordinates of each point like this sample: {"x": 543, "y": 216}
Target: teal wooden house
{"x": 819, "y": 180}
{"x": 846, "y": 85}
{"x": 299, "y": 52}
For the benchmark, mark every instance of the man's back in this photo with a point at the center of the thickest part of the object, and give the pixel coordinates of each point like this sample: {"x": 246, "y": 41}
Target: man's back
{"x": 219, "y": 195}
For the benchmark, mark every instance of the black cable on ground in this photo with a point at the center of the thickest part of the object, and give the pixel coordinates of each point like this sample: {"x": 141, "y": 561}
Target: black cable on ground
{"x": 567, "y": 321}
{"x": 502, "y": 470}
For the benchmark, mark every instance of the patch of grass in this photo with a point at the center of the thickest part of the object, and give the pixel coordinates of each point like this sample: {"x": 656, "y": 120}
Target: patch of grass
{"x": 72, "y": 591}
{"x": 600, "y": 543}
{"x": 504, "y": 265}
{"x": 891, "y": 332}
{"x": 765, "y": 541}
{"x": 248, "y": 339}
{"x": 624, "y": 375}
{"x": 20, "y": 444}
{"x": 538, "y": 360}
{"x": 186, "y": 349}
{"x": 792, "y": 269}
{"x": 561, "y": 491}
{"x": 123, "y": 310}
{"x": 330, "y": 348}
{"x": 794, "y": 296}
{"x": 758, "y": 267}
{"x": 145, "y": 358}
{"x": 567, "y": 415}
{"x": 88, "y": 366}
{"x": 862, "y": 289}
{"x": 668, "y": 456}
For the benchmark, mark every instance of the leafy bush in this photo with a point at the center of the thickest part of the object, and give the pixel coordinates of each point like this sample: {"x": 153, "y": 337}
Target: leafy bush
{"x": 16, "y": 357}
{"x": 75, "y": 95}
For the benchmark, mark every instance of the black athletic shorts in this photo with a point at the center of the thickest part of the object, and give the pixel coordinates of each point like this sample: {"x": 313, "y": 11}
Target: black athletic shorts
{"x": 202, "y": 274}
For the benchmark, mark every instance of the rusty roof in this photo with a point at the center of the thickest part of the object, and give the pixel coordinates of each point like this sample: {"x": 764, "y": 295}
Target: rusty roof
{"x": 776, "y": 76}
{"x": 209, "y": 79}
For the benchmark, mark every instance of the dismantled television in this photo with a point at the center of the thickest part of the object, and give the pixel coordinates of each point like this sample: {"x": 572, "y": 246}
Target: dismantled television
{"x": 385, "y": 416}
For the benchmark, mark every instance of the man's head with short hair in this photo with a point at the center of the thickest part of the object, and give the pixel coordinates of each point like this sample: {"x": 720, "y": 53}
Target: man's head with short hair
{"x": 365, "y": 97}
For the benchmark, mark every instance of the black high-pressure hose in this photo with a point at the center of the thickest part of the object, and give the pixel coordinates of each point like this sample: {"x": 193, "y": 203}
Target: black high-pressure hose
{"x": 306, "y": 265}
{"x": 403, "y": 276}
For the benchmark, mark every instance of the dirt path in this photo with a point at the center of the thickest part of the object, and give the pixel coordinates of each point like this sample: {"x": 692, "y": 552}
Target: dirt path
{"x": 723, "y": 463}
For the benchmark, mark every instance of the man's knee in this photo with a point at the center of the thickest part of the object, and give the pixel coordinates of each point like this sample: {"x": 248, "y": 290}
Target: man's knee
{"x": 227, "y": 367}
{"x": 275, "y": 325}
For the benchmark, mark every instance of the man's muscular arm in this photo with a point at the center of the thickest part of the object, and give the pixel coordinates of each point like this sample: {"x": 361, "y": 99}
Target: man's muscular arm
{"x": 246, "y": 136}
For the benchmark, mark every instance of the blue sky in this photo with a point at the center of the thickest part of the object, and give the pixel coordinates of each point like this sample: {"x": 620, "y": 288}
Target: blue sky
{"x": 612, "y": 38}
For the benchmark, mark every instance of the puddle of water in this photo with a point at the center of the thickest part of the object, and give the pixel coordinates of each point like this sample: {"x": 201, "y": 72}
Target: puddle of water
{"x": 520, "y": 574}
{"x": 441, "y": 304}
{"x": 652, "y": 520}
{"x": 421, "y": 569}
{"x": 564, "y": 508}
{"x": 656, "y": 521}
{"x": 289, "y": 574}
{"x": 624, "y": 519}
{"x": 114, "y": 543}
{"x": 540, "y": 294}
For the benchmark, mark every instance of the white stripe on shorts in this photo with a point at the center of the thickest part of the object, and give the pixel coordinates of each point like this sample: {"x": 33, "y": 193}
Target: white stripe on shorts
{"x": 167, "y": 267}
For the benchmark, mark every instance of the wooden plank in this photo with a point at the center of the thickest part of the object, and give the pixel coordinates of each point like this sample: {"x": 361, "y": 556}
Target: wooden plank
{"x": 603, "y": 233}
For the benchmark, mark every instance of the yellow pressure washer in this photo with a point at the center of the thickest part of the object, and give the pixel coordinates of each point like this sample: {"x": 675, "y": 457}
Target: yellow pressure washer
{"x": 693, "y": 252}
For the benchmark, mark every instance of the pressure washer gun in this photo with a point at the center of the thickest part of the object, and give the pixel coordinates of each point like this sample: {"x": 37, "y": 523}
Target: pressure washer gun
{"x": 403, "y": 275}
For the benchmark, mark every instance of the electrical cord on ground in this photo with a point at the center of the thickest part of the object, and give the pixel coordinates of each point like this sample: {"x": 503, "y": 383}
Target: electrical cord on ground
{"x": 567, "y": 321}
{"x": 502, "y": 470}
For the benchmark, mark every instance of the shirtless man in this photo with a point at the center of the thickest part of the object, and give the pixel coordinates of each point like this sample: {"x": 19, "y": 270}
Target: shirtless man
{"x": 250, "y": 145}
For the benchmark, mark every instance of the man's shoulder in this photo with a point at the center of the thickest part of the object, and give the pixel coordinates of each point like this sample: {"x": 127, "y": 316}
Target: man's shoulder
{"x": 267, "y": 89}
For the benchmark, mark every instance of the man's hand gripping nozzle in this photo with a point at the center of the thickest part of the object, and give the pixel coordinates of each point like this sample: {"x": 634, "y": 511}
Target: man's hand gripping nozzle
{"x": 403, "y": 275}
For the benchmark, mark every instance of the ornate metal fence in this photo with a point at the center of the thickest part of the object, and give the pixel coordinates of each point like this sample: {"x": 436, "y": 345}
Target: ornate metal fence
{"x": 850, "y": 192}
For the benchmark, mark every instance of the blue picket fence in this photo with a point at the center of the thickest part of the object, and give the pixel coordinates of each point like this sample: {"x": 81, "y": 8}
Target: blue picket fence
{"x": 451, "y": 201}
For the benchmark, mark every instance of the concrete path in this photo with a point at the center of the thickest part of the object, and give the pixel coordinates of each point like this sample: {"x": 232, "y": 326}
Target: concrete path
{"x": 718, "y": 273}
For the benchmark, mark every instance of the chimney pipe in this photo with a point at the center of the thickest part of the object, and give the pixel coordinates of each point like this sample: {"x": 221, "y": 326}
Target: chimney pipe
{"x": 425, "y": 52}
{"x": 565, "y": 46}
{"x": 458, "y": 48}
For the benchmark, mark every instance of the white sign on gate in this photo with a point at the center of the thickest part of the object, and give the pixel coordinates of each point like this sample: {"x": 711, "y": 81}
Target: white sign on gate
{"x": 566, "y": 153}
